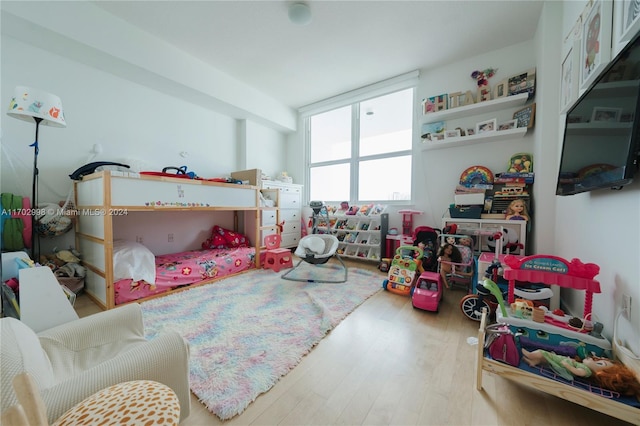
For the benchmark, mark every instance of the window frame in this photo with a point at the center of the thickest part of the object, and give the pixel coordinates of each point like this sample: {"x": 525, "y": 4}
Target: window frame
{"x": 354, "y": 99}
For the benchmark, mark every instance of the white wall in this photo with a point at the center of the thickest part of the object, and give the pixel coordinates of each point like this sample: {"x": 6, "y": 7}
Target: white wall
{"x": 170, "y": 232}
{"x": 438, "y": 171}
{"x": 603, "y": 227}
{"x": 133, "y": 124}
{"x": 84, "y": 32}
{"x": 144, "y": 125}
{"x": 267, "y": 148}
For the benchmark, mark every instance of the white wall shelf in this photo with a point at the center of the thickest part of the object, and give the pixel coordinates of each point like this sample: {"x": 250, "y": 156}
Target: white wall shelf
{"x": 477, "y": 108}
{"x": 476, "y": 139}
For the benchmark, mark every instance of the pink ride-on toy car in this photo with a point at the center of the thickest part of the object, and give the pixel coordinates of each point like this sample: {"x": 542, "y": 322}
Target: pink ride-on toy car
{"x": 427, "y": 292}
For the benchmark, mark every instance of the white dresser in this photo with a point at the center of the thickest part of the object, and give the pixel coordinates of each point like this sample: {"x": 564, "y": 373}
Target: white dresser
{"x": 289, "y": 211}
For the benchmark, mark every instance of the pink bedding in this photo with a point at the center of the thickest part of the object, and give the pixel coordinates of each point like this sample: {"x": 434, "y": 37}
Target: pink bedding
{"x": 189, "y": 267}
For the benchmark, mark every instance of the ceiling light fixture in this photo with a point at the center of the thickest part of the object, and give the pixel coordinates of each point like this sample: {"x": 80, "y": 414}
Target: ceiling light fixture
{"x": 299, "y": 13}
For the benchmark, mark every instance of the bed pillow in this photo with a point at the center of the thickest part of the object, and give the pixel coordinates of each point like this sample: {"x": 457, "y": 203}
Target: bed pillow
{"x": 215, "y": 242}
{"x": 134, "y": 261}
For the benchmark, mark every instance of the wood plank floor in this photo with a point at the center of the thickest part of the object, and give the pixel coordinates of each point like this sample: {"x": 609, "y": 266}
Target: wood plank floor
{"x": 390, "y": 364}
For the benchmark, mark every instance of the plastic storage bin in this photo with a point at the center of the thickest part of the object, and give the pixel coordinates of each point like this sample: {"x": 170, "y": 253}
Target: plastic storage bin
{"x": 466, "y": 212}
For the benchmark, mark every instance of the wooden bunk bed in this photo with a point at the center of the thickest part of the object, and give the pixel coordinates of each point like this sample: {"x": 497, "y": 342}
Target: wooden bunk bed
{"x": 574, "y": 274}
{"x": 104, "y": 196}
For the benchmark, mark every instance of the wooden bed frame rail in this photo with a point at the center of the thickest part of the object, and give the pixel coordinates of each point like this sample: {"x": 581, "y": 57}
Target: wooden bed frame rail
{"x": 579, "y": 396}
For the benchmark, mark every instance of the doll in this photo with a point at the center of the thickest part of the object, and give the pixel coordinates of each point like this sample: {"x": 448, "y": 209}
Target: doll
{"x": 427, "y": 253}
{"x": 604, "y": 372}
{"x": 517, "y": 210}
{"x": 448, "y": 254}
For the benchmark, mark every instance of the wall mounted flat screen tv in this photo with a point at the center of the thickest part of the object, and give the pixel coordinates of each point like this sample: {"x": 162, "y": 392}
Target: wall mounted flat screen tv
{"x": 602, "y": 129}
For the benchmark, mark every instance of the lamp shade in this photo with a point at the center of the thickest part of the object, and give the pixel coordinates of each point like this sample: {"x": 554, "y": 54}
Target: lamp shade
{"x": 28, "y": 103}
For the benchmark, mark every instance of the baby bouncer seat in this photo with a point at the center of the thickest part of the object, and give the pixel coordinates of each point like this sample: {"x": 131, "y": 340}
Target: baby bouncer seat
{"x": 318, "y": 249}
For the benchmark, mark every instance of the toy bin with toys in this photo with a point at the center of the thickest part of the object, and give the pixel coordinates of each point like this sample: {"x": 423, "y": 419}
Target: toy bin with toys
{"x": 553, "y": 330}
{"x": 427, "y": 293}
{"x": 403, "y": 270}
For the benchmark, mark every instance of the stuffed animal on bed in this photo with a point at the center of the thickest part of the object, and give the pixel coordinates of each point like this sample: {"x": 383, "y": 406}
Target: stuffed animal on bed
{"x": 604, "y": 372}
{"x": 224, "y": 238}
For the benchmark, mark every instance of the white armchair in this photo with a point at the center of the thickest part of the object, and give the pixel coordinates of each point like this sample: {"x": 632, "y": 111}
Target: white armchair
{"x": 75, "y": 360}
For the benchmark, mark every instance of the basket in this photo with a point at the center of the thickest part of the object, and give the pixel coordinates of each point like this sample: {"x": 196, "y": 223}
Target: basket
{"x": 465, "y": 212}
{"x": 75, "y": 284}
{"x": 52, "y": 220}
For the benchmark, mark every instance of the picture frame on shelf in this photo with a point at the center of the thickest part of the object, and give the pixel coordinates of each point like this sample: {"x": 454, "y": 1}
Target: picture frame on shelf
{"x": 471, "y": 132}
{"x": 570, "y": 76}
{"x": 576, "y": 31}
{"x": 501, "y": 89}
{"x": 626, "y": 117}
{"x": 630, "y": 22}
{"x": 618, "y": 17}
{"x": 508, "y": 125}
{"x": 448, "y": 134}
{"x": 595, "y": 44}
{"x": 526, "y": 116}
{"x": 602, "y": 114}
{"x": 486, "y": 126}
{"x": 524, "y": 82}
{"x": 431, "y": 128}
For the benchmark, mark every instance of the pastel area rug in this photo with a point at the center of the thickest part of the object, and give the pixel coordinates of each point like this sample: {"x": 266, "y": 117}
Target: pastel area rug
{"x": 247, "y": 331}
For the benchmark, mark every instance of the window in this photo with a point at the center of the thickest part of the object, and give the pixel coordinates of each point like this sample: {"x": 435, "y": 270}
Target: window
{"x": 361, "y": 152}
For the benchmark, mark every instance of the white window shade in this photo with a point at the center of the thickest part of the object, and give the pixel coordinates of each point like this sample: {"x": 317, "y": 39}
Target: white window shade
{"x": 393, "y": 84}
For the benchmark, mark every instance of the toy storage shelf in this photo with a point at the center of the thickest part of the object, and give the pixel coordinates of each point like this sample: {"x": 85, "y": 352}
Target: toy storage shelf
{"x": 494, "y": 136}
{"x": 360, "y": 236}
{"x": 477, "y": 108}
{"x": 517, "y": 227}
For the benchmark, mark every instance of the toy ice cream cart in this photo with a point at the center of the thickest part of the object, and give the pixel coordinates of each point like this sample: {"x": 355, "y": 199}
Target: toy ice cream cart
{"x": 542, "y": 328}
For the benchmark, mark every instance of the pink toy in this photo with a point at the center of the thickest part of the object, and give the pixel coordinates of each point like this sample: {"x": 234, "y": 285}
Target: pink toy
{"x": 549, "y": 269}
{"x": 407, "y": 220}
{"x": 427, "y": 293}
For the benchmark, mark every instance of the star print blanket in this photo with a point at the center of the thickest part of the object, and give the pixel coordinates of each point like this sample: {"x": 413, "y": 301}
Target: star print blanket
{"x": 186, "y": 268}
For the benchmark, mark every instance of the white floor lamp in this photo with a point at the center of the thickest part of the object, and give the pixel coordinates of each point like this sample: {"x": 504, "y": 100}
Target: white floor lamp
{"x": 44, "y": 109}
